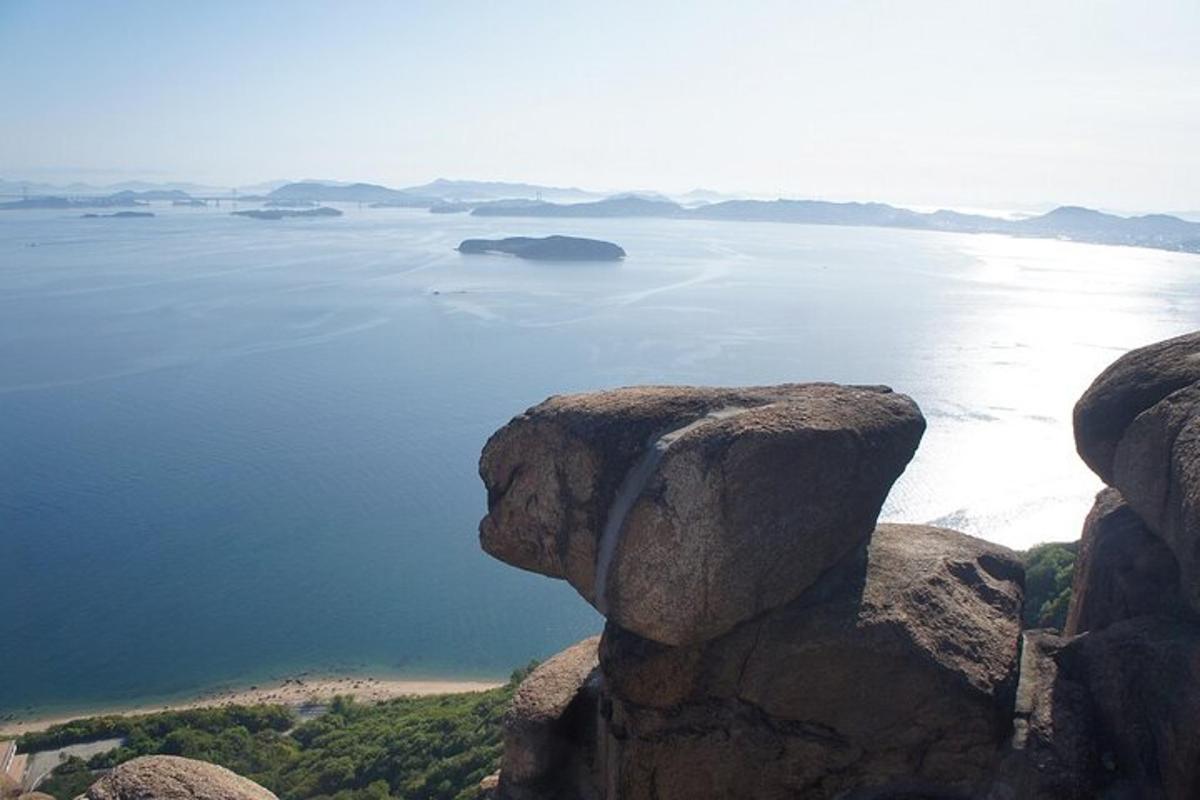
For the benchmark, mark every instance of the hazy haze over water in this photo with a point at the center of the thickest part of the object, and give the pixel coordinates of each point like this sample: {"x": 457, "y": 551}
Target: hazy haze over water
{"x": 232, "y": 448}
{"x": 1026, "y": 103}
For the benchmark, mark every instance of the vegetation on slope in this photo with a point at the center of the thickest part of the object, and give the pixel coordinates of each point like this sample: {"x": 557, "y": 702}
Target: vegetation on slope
{"x": 419, "y": 748}
{"x": 1049, "y": 569}
{"x": 147, "y": 727}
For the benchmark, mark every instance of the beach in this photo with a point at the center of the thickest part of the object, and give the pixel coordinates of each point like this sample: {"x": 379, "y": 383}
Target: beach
{"x": 298, "y": 692}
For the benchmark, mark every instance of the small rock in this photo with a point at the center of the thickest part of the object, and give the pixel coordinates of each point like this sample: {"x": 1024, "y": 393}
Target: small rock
{"x": 537, "y": 735}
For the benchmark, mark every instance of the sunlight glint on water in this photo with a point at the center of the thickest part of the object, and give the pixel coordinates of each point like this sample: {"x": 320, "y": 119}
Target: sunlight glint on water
{"x": 230, "y": 448}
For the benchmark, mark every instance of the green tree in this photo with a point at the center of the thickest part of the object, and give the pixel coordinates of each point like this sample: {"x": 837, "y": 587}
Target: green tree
{"x": 1049, "y": 570}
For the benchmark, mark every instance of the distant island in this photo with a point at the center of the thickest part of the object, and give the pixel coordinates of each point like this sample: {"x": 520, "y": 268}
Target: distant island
{"x": 312, "y": 191}
{"x": 627, "y": 205}
{"x": 33, "y": 203}
{"x": 499, "y": 199}
{"x": 451, "y": 208}
{"x": 119, "y": 215}
{"x": 1072, "y": 223}
{"x": 122, "y": 199}
{"x": 549, "y": 248}
{"x": 291, "y": 203}
{"x": 281, "y": 213}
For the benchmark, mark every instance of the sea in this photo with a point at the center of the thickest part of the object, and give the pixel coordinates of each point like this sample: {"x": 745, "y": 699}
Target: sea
{"x": 234, "y": 449}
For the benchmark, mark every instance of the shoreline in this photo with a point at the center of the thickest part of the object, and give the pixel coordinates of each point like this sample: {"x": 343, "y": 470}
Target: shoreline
{"x": 297, "y": 691}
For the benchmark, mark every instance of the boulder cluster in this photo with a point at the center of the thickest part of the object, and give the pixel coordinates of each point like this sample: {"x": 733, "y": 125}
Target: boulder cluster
{"x": 767, "y": 637}
{"x": 1111, "y": 707}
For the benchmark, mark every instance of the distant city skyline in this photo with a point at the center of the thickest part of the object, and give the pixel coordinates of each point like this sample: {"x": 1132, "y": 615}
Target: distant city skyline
{"x": 922, "y": 104}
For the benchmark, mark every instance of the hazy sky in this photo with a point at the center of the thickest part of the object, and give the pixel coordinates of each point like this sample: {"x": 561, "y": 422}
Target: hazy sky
{"x": 955, "y": 102}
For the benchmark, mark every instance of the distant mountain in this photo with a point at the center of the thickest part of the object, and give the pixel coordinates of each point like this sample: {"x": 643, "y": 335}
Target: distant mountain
{"x": 504, "y": 199}
{"x": 1085, "y": 224}
{"x": 32, "y": 188}
{"x": 702, "y": 196}
{"x": 152, "y": 194}
{"x": 812, "y": 212}
{"x": 622, "y": 206}
{"x": 263, "y": 188}
{"x": 1160, "y": 231}
{"x": 467, "y": 191}
{"x": 348, "y": 193}
{"x": 52, "y": 202}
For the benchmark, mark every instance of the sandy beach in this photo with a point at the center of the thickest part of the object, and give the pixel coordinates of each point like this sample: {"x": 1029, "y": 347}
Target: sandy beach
{"x": 297, "y": 692}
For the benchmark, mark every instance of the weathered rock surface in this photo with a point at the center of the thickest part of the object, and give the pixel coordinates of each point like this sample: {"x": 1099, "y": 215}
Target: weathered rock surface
{"x": 1107, "y": 714}
{"x": 895, "y": 670}
{"x": 1143, "y": 676}
{"x": 681, "y": 511}
{"x": 489, "y": 787}
{"x": 762, "y": 642}
{"x": 1123, "y": 570}
{"x": 174, "y": 778}
{"x": 549, "y": 729}
{"x": 1157, "y": 469}
{"x": 1131, "y": 385}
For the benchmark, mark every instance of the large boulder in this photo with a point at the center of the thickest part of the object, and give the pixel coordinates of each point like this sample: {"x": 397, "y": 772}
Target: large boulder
{"x": 1123, "y": 570}
{"x": 174, "y": 778}
{"x": 1157, "y": 469}
{"x": 1133, "y": 383}
{"x": 897, "y": 669}
{"x": 1108, "y": 714}
{"x": 680, "y": 512}
{"x": 550, "y": 726}
{"x": 1143, "y": 677}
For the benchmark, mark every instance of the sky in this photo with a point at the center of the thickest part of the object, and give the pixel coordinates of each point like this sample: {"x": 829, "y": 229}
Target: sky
{"x": 959, "y": 103}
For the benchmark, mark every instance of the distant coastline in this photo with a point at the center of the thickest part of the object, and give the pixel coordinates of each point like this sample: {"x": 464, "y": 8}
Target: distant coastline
{"x": 298, "y": 691}
{"x": 488, "y": 199}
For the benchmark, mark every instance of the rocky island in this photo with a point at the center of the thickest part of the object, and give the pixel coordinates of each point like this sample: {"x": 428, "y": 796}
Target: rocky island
{"x": 549, "y": 248}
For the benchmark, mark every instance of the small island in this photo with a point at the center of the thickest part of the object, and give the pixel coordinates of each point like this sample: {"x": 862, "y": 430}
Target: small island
{"x": 119, "y": 215}
{"x": 280, "y": 213}
{"x": 290, "y": 204}
{"x": 549, "y": 248}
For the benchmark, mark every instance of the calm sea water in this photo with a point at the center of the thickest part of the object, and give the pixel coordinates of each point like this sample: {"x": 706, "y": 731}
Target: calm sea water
{"x": 232, "y": 449}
